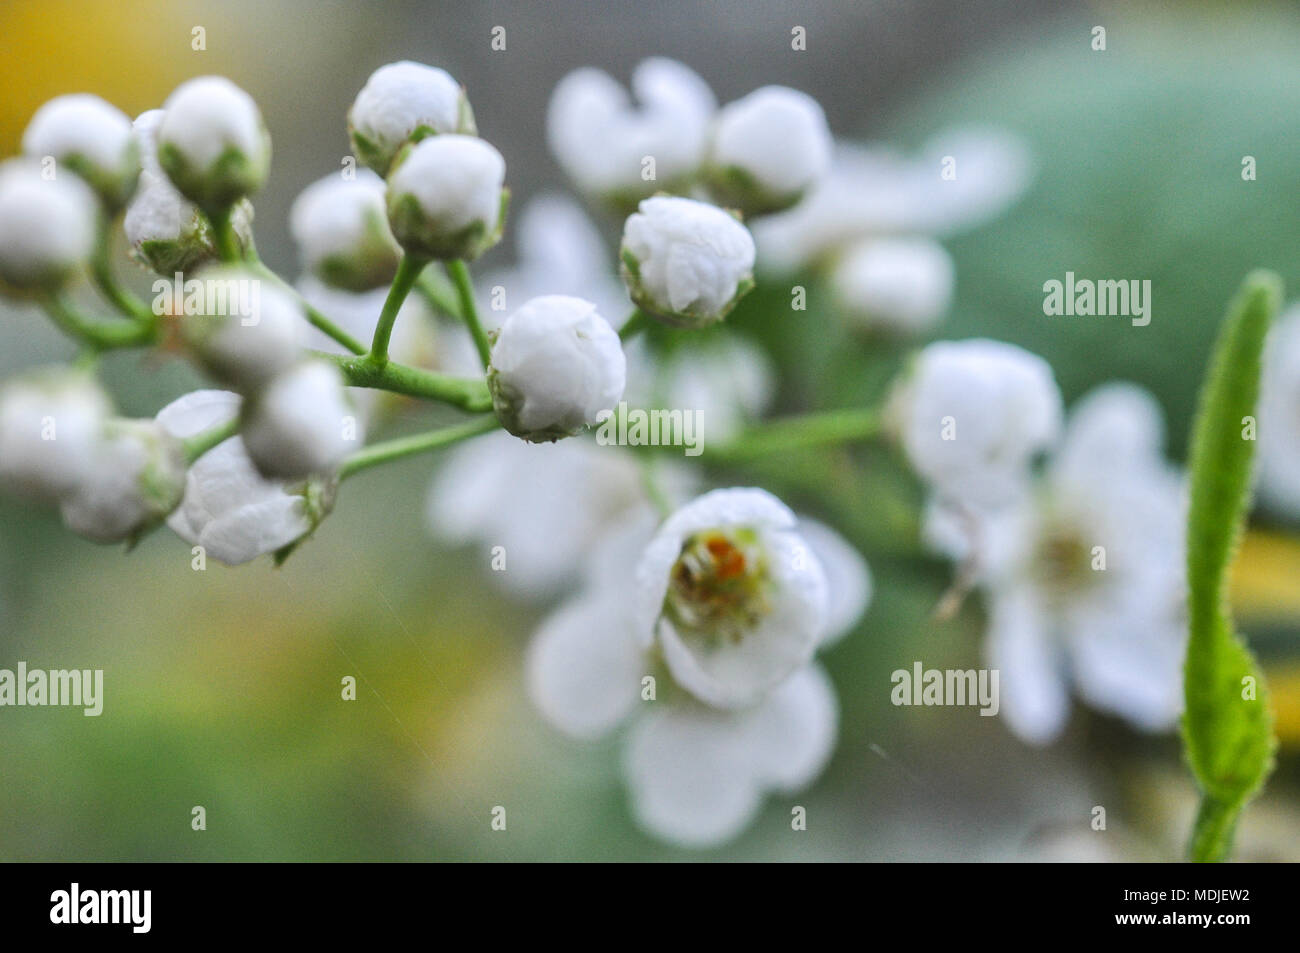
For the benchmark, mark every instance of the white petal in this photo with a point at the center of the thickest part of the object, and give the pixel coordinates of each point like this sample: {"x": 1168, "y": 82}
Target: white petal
{"x": 848, "y": 578}
{"x": 585, "y": 668}
{"x": 1031, "y": 681}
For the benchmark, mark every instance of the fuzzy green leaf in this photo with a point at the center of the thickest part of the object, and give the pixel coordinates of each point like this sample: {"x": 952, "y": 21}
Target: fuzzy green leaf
{"x": 1227, "y": 725}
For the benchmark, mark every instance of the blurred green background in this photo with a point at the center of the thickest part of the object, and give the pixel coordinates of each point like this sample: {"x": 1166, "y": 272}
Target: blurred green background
{"x": 223, "y": 687}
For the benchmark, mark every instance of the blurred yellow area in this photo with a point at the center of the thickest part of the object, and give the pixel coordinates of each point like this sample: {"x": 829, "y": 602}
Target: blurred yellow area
{"x": 1265, "y": 584}
{"x": 130, "y": 52}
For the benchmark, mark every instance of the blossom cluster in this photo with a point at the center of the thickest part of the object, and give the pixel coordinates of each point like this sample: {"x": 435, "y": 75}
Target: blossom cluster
{"x": 691, "y": 616}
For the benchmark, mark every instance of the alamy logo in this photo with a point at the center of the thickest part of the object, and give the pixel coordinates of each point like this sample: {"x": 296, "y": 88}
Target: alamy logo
{"x": 651, "y": 428}
{"x": 75, "y": 905}
{"x": 1129, "y": 298}
{"x": 78, "y": 688}
{"x": 947, "y": 687}
{"x": 233, "y": 297}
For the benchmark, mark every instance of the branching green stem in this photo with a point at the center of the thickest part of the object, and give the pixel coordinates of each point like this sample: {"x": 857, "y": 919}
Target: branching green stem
{"x": 315, "y": 317}
{"x": 637, "y": 322}
{"x": 101, "y": 272}
{"x": 408, "y": 270}
{"x": 459, "y": 273}
{"x": 462, "y": 392}
{"x": 401, "y": 447}
{"x": 97, "y": 335}
{"x": 201, "y": 443}
{"x": 798, "y": 433}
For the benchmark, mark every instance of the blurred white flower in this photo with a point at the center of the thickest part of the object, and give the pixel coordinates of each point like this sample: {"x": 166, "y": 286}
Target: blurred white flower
{"x": 767, "y": 149}
{"x": 137, "y": 477}
{"x": 972, "y": 415}
{"x": 446, "y": 198}
{"x": 246, "y": 330}
{"x": 732, "y": 595}
{"x": 558, "y": 251}
{"x": 872, "y": 191}
{"x": 544, "y": 504}
{"x": 902, "y": 285}
{"x": 728, "y": 381}
{"x": 300, "y": 423}
{"x": 622, "y": 152}
{"x": 90, "y": 137}
{"x": 405, "y": 102}
{"x": 1279, "y": 418}
{"x": 1085, "y": 576}
{"x": 686, "y": 262}
{"x": 230, "y": 509}
{"x": 47, "y": 226}
{"x": 696, "y": 774}
{"x": 341, "y": 229}
{"x": 50, "y": 425}
{"x": 556, "y": 364}
{"x": 212, "y": 143}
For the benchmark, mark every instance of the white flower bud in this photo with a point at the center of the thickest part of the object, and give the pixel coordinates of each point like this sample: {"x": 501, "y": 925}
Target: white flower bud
{"x": 90, "y": 137}
{"x": 167, "y": 231}
{"x": 242, "y": 329}
{"x": 137, "y": 478}
{"x": 556, "y": 365}
{"x": 767, "y": 149}
{"x": 212, "y": 142}
{"x": 230, "y": 509}
{"x": 47, "y": 226}
{"x": 622, "y": 153}
{"x": 903, "y": 285}
{"x": 50, "y": 423}
{"x": 405, "y": 102}
{"x": 732, "y": 595}
{"x": 686, "y": 262}
{"x": 972, "y": 415}
{"x": 445, "y": 197}
{"x": 341, "y": 227}
{"x": 301, "y": 423}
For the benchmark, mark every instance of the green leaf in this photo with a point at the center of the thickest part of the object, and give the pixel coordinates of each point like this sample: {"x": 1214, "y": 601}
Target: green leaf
{"x": 1227, "y": 725}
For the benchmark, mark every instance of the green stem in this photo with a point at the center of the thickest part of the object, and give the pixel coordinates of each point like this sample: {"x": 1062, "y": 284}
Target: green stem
{"x": 439, "y": 293}
{"x": 634, "y": 325}
{"x": 314, "y": 317}
{"x": 408, "y": 270}
{"x": 400, "y": 447}
{"x": 199, "y": 444}
{"x": 224, "y": 238}
{"x": 459, "y": 273}
{"x": 797, "y": 433}
{"x": 462, "y": 392}
{"x": 101, "y": 271}
{"x": 1212, "y": 834}
{"x": 98, "y": 335}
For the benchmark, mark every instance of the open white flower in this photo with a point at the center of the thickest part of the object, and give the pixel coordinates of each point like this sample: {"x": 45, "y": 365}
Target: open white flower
{"x": 405, "y": 102}
{"x": 697, "y": 774}
{"x": 246, "y": 330}
{"x": 686, "y": 262}
{"x": 47, "y": 226}
{"x": 622, "y": 152}
{"x": 1279, "y": 418}
{"x": 1085, "y": 576}
{"x": 341, "y": 228}
{"x": 136, "y": 478}
{"x": 902, "y": 285}
{"x": 212, "y": 142}
{"x": 767, "y": 149}
{"x": 229, "y": 508}
{"x": 301, "y": 423}
{"x": 446, "y": 197}
{"x": 960, "y": 180}
{"x": 732, "y": 595}
{"x": 546, "y": 524}
{"x": 90, "y": 137}
{"x": 973, "y": 414}
{"x": 50, "y": 425}
{"x": 166, "y": 230}
{"x": 556, "y": 365}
